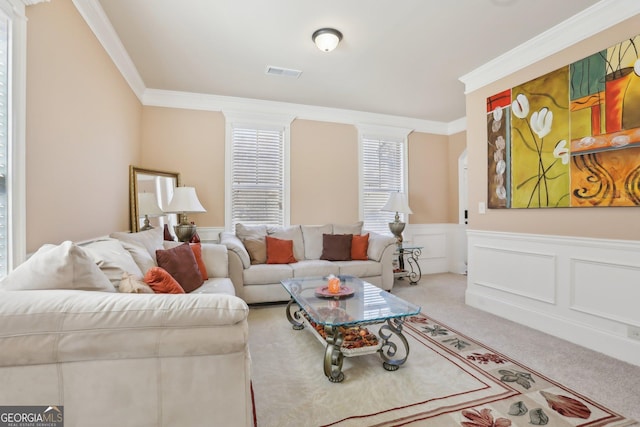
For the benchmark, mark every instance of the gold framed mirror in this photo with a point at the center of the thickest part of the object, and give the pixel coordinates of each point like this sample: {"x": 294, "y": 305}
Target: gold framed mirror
{"x": 146, "y": 187}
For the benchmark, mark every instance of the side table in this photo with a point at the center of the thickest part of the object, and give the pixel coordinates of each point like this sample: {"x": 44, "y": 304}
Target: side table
{"x": 410, "y": 254}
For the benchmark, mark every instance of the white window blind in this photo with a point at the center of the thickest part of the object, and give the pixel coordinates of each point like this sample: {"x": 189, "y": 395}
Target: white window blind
{"x": 382, "y": 173}
{"x": 4, "y": 143}
{"x": 257, "y": 189}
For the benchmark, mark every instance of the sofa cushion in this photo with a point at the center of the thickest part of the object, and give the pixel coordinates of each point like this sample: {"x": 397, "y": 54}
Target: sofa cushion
{"x": 257, "y": 249}
{"x": 216, "y": 258}
{"x": 181, "y": 263}
{"x": 151, "y": 240}
{"x": 63, "y": 266}
{"x": 359, "y": 268}
{"x": 130, "y": 284}
{"x": 196, "y": 248}
{"x": 216, "y": 285}
{"x": 263, "y": 274}
{"x": 290, "y": 233}
{"x": 359, "y": 246}
{"x": 314, "y": 268}
{"x": 113, "y": 259}
{"x": 312, "y": 238}
{"x": 162, "y": 282}
{"x": 279, "y": 251}
{"x": 197, "y": 252}
{"x": 355, "y": 228}
{"x": 336, "y": 247}
{"x": 250, "y": 231}
{"x": 140, "y": 255}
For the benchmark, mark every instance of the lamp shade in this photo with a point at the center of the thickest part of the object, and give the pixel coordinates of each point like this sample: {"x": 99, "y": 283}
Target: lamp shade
{"x": 185, "y": 200}
{"x": 397, "y": 203}
{"x": 326, "y": 39}
{"x": 148, "y": 205}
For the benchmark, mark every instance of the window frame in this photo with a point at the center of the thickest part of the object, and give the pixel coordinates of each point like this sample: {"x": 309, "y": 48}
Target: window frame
{"x": 385, "y": 133}
{"x": 16, "y": 136}
{"x": 261, "y": 121}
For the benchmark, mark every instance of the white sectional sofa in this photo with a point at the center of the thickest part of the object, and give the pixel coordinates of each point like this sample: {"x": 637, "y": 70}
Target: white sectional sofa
{"x": 69, "y": 338}
{"x": 259, "y": 283}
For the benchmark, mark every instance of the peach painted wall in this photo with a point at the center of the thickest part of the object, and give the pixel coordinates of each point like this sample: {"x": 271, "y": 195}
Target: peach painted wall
{"x": 324, "y": 166}
{"x": 324, "y": 172}
{"x": 191, "y": 143}
{"x": 602, "y": 222}
{"x": 428, "y": 169}
{"x": 83, "y": 131}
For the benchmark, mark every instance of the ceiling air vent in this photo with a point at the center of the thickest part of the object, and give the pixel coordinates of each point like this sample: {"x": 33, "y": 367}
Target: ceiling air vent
{"x": 285, "y": 72}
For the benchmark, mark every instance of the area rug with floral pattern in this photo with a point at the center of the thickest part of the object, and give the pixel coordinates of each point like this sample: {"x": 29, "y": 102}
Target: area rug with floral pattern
{"x": 449, "y": 379}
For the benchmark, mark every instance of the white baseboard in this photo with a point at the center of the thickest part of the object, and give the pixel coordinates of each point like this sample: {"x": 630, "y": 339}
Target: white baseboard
{"x": 583, "y": 290}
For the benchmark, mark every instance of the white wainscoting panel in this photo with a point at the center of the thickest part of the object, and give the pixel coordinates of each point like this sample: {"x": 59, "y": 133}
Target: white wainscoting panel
{"x": 583, "y": 290}
{"x": 444, "y": 246}
{"x": 210, "y": 234}
{"x": 594, "y": 282}
{"x": 535, "y": 272}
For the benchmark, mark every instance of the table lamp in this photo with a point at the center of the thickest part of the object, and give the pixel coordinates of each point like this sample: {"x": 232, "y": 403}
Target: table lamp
{"x": 397, "y": 203}
{"x": 184, "y": 201}
{"x": 148, "y": 207}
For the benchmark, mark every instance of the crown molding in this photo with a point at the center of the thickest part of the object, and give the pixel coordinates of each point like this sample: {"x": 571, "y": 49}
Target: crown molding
{"x": 375, "y": 130}
{"x": 94, "y": 15}
{"x": 99, "y": 23}
{"x": 198, "y": 101}
{"x": 457, "y": 126}
{"x": 589, "y": 22}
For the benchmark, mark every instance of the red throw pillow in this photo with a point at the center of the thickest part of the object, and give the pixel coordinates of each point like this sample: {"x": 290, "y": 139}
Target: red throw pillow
{"x": 336, "y": 247}
{"x": 279, "y": 251}
{"x": 197, "y": 252}
{"x": 359, "y": 247}
{"x": 161, "y": 281}
{"x": 181, "y": 263}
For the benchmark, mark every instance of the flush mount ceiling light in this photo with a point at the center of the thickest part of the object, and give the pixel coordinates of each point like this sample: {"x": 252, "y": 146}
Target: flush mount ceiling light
{"x": 326, "y": 39}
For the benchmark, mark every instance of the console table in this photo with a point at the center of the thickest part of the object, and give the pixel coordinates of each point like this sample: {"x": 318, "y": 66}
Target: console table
{"x": 411, "y": 268}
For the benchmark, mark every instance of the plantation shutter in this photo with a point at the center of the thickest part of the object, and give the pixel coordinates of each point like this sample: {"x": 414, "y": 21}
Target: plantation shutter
{"x": 383, "y": 172}
{"x": 257, "y": 189}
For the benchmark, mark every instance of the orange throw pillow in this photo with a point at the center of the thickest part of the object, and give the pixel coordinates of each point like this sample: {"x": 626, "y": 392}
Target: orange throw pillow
{"x": 197, "y": 252}
{"x": 359, "y": 247}
{"x": 279, "y": 251}
{"x": 162, "y": 282}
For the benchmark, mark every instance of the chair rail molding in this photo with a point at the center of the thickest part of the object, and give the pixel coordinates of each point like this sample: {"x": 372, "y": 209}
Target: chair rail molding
{"x": 583, "y": 290}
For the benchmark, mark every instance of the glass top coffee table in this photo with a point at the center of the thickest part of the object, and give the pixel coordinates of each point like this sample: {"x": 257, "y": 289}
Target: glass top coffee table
{"x": 340, "y": 320}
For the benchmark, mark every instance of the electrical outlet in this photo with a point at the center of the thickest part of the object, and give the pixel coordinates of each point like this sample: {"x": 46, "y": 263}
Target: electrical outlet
{"x": 633, "y": 332}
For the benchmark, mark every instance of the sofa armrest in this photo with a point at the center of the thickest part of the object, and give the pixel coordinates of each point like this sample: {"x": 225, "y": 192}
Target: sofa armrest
{"x": 54, "y": 326}
{"x": 377, "y": 245}
{"x": 236, "y": 273}
{"x": 233, "y": 243}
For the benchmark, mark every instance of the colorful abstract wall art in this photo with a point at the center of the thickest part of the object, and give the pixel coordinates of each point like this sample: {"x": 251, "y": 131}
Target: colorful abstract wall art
{"x": 570, "y": 138}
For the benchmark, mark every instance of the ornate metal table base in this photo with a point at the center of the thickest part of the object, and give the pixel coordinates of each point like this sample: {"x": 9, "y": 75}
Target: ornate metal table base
{"x": 412, "y": 254}
{"x": 333, "y": 355}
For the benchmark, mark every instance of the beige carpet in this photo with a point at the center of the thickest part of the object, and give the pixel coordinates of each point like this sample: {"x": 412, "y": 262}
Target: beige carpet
{"x": 449, "y": 379}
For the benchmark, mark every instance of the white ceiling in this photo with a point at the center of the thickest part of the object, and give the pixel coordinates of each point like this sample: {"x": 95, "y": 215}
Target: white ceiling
{"x": 402, "y": 57}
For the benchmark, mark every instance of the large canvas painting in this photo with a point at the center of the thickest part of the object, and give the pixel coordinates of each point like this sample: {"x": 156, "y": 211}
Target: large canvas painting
{"x": 570, "y": 138}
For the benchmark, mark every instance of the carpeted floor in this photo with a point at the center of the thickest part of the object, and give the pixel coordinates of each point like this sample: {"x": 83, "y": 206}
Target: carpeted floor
{"x": 290, "y": 388}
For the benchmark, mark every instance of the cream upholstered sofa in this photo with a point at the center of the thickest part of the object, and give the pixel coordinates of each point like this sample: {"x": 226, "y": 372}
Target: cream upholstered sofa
{"x": 258, "y": 283}
{"x": 68, "y": 337}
